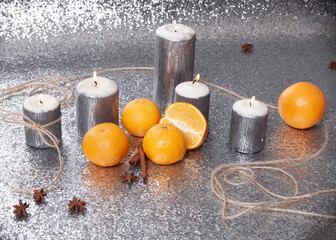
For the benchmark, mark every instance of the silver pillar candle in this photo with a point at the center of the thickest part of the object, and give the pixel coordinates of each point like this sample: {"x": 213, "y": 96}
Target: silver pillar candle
{"x": 173, "y": 62}
{"x": 196, "y": 93}
{"x": 97, "y": 101}
{"x": 248, "y": 126}
{"x": 42, "y": 109}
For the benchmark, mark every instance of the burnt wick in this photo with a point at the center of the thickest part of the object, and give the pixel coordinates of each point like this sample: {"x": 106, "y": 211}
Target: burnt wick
{"x": 95, "y": 83}
{"x": 41, "y": 102}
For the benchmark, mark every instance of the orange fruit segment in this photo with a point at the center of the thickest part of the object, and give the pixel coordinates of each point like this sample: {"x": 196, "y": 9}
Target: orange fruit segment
{"x": 190, "y": 120}
{"x": 139, "y": 116}
{"x": 105, "y": 144}
{"x": 164, "y": 144}
{"x": 302, "y": 105}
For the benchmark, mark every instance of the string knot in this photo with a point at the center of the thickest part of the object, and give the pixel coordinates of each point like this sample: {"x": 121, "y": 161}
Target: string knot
{"x": 36, "y": 126}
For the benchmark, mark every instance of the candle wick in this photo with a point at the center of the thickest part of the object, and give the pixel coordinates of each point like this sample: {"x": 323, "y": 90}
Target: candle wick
{"x": 41, "y": 102}
{"x": 193, "y": 81}
{"x": 95, "y": 83}
{"x": 250, "y": 103}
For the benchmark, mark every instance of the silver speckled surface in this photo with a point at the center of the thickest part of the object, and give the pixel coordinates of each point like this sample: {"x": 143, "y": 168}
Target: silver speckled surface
{"x": 294, "y": 41}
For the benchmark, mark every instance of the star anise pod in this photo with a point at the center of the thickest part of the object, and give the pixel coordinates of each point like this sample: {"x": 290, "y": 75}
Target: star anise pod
{"x": 332, "y": 65}
{"x": 20, "y": 210}
{"x": 247, "y": 48}
{"x": 76, "y": 205}
{"x": 39, "y": 195}
{"x": 128, "y": 177}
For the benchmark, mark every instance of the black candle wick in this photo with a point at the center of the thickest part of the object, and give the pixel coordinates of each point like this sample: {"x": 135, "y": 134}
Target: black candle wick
{"x": 95, "y": 83}
{"x": 250, "y": 103}
{"x": 41, "y": 102}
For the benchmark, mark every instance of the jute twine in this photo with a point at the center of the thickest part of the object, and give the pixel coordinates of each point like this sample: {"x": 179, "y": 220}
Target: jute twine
{"x": 220, "y": 176}
{"x": 21, "y": 119}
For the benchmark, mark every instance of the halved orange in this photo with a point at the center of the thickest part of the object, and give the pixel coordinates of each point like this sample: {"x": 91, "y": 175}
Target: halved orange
{"x": 189, "y": 120}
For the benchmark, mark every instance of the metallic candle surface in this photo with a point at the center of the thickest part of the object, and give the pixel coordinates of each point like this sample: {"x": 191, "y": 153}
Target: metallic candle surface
{"x": 42, "y": 109}
{"x": 196, "y": 93}
{"x": 97, "y": 101}
{"x": 248, "y": 126}
{"x": 173, "y": 61}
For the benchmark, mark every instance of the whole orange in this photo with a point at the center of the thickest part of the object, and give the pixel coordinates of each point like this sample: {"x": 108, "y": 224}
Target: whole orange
{"x": 302, "y": 105}
{"x": 164, "y": 144}
{"x": 105, "y": 144}
{"x": 139, "y": 116}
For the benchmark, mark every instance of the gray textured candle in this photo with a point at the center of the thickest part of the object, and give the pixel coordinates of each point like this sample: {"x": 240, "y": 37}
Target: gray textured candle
{"x": 248, "y": 126}
{"x": 174, "y": 61}
{"x": 97, "y": 101}
{"x": 196, "y": 93}
{"x": 42, "y": 109}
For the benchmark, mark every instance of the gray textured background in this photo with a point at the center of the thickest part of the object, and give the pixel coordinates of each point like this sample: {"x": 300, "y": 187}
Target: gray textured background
{"x": 294, "y": 41}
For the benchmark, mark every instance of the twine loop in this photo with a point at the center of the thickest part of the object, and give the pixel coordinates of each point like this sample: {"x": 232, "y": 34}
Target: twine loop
{"x": 221, "y": 177}
{"x": 247, "y": 172}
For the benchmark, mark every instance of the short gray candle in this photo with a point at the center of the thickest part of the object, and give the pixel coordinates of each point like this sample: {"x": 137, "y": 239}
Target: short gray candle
{"x": 97, "y": 101}
{"x": 42, "y": 109}
{"x": 196, "y": 93}
{"x": 174, "y": 61}
{"x": 248, "y": 126}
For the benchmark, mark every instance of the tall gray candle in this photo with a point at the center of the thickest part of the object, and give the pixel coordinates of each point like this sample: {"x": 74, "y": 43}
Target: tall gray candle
{"x": 174, "y": 61}
{"x": 97, "y": 101}
{"x": 196, "y": 93}
{"x": 248, "y": 126}
{"x": 42, "y": 109}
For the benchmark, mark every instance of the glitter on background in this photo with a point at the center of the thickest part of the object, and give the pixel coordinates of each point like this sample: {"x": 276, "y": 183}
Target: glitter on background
{"x": 32, "y": 20}
{"x": 293, "y": 40}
